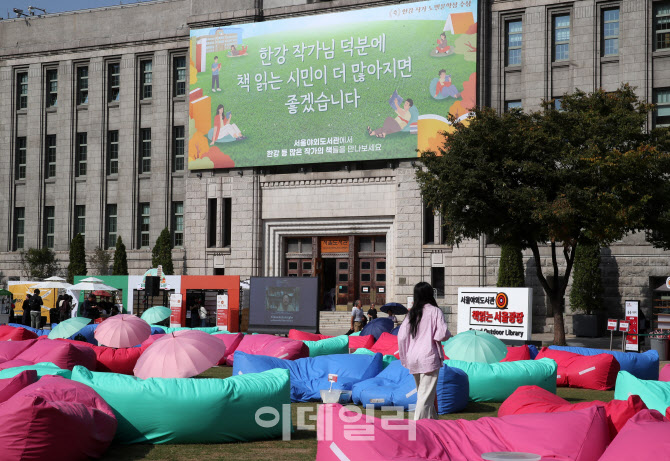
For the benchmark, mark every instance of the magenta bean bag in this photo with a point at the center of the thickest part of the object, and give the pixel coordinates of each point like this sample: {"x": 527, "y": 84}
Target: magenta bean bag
{"x": 644, "y": 437}
{"x": 55, "y": 419}
{"x": 8, "y": 333}
{"x": 60, "y": 353}
{"x": 580, "y": 435}
{"x": 361, "y": 342}
{"x": 665, "y": 373}
{"x": 305, "y": 336}
{"x": 534, "y": 399}
{"x": 597, "y": 372}
{"x": 232, "y": 341}
{"x": 10, "y": 386}
{"x": 515, "y": 354}
{"x": 387, "y": 344}
{"x": 10, "y": 349}
{"x": 272, "y": 346}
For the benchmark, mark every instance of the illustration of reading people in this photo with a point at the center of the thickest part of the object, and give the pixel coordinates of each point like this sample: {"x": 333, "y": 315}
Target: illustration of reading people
{"x": 442, "y": 44}
{"x": 394, "y": 124}
{"x": 216, "y": 67}
{"x": 223, "y": 127}
{"x": 444, "y": 88}
{"x": 235, "y": 52}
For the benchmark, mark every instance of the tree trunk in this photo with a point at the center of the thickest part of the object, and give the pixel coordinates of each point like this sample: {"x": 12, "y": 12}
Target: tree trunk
{"x": 559, "y": 324}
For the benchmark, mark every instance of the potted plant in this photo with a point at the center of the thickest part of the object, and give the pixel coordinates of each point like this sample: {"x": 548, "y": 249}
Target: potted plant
{"x": 586, "y": 294}
{"x": 658, "y": 340}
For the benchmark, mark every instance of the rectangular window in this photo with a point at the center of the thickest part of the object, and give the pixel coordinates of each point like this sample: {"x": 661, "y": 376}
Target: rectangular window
{"x": 82, "y": 85}
{"x": 49, "y": 226}
{"x": 610, "y": 30}
{"x": 428, "y": 225}
{"x": 145, "y": 220}
{"x": 662, "y": 112}
{"x": 51, "y": 156}
{"x": 227, "y": 227}
{"x": 558, "y": 103}
{"x": 82, "y": 153}
{"x": 145, "y": 149}
{"x": 80, "y": 220}
{"x": 110, "y": 225}
{"x": 437, "y": 280}
{"x": 178, "y": 224}
{"x": 179, "y": 148}
{"x": 512, "y": 105}
{"x": 211, "y": 222}
{"x": 52, "y": 87}
{"x": 19, "y": 227}
{"x": 562, "y": 37}
{"x": 22, "y": 90}
{"x": 514, "y": 39}
{"x": 662, "y": 26}
{"x": 112, "y": 152}
{"x": 114, "y": 78}
{"x": 21, "y": 157}
{"x": 179, "y": 64}
{"x": 145, "y": 79}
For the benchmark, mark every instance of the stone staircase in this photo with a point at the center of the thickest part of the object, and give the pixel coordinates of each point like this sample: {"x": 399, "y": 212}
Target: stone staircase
{"x": 339, "y": 322}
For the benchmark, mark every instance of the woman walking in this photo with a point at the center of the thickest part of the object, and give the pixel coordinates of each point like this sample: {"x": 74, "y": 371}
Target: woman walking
{"x": 420, "y": 350}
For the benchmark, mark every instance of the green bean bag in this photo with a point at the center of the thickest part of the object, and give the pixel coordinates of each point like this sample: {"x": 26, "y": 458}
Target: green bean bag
{"x": 328, "y": 346}
{"x": 191, "y": 410}
{"x": 494, "y": 382}
{"x": 655, "y": 394}
{"x": 168, "y": 330}
{"x": 387, "y": 359}
{"x": 42, "y": 369}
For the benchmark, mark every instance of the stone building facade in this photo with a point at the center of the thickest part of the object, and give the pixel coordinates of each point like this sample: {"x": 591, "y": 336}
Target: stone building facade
{"x": 273, "y": 221}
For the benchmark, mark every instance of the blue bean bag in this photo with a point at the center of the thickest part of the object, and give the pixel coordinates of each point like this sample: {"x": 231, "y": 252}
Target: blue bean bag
{"x": 88, "y": 333}
{"x": 310, "y": 375}
{"x": 396, "y": 387}
{"x": 394, "y": 332}
{"x": 494, "y": 382}
{"x": 378, "y": 326}
{"x": 642, "y": 366}
{"x": 387, "y": 359}
{"x": 38, "y": 332}
{"x": 533, "y": 351}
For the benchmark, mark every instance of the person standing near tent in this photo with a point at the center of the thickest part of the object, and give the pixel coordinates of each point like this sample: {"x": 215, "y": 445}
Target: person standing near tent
{"x": 25, "y": 318}
{"x": 202, "y": 312}
{"x": 420, "y": 350}
{"x": 36, "y": 309}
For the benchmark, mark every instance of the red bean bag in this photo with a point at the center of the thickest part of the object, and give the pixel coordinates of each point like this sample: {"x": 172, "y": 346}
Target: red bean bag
{"x": 387, "y": 344}
{"x": 56, "y": 419}
{"x": 272, "y": 346}
{"x": 10, "y": 386}
{"x": 365, "y": 342}
{"x": 10, "y": 349}
{"x": 665, "y": 373}
{"x": 644, "y": 437}
{"x": 576, "y": 435}
{"x": 113, "y": 360}
{"x": 60, "y": 353}
{"x": 597, "y": 372}
{"x": 232, "y": 341}
{"x": 8, "y": 333}
{"x": 517, "y": 353}
{"x": 534, "y": 399}
{"x": 305, "y": 336}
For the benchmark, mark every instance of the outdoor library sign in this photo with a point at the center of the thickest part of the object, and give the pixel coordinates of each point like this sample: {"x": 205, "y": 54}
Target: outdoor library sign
{"x": 503, "y": 312}
{"x": 371, "y": 83}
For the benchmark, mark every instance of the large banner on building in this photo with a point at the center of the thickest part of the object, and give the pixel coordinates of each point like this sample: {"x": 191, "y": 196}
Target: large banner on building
{"x": 374, "y": 83}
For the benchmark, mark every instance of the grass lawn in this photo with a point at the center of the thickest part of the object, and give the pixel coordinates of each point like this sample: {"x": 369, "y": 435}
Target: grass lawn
{"x": 302, "y": 447}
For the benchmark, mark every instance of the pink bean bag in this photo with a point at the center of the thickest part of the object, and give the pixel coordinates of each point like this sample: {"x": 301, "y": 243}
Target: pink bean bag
{"x": 305, "y": 336}
{"x": 387, "y": 344}
{"x": 665, "y": 373}
{"x": 232, "y": 341}
{"x": 365, "y": 342}
{"x": 534, "y": 399}
{"x": 10, "y": 349}
{"x": 517, "y": 353}
{"x": 272, "y": 346}
{"x": 644, "y": 437}
{"x": 10, "y": 386}
{"x": 60, "y": 353}
{"x": 8, "y": 333}
{"x": 55, "y": 419}
{"x": 597, "y": 372}
{"x": 576, "y": 435}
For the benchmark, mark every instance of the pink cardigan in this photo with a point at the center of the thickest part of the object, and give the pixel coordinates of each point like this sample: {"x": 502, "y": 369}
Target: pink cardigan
{"x": 423, "y": 353}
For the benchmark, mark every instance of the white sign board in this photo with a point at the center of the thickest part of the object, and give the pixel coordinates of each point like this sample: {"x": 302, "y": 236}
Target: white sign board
{"x": 632, "y": 317}
{"x": 221, "y": 302}
{"x": 503, "y": 312}
{"x": 175, "y": 307}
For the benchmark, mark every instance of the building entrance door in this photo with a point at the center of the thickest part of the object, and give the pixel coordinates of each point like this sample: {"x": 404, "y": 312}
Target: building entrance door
{"x": 372, "y": 280}
{"x": 342, "y": 281}
{"x": 329, "y": 283}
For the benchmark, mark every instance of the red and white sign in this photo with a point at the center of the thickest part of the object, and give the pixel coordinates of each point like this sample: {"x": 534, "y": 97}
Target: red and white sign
{"x": 176, "y": 308}
{"x": 623, "y": 326}
{"x": 503, "y": 312}
{"x": 612, "y": 324}
{"x": 332, "y": 377}
{"x": 632, "y": 312}
{"x": 222, "y": 311}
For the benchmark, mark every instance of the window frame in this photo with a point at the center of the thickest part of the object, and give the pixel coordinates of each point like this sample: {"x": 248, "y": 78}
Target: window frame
{"x": 21, "y": 157}
{"x": 21, "y": 96}
{"x": 82, "y": 86}
{"x": 51, "y": 90}
{"x": 656, "y": 93}
{"x": 508, "y": 47}
{"x": 178, "y": 148}
{"x": 146, "y": 79}
{"x": 114, "y": 81}
{"x": 111, "y": 221}
{"x": 177, "y": 226}
{"x": 144, "y": 210}
{"x": 178, "y": 82}
{"x": 603, "y": 37}
{"x": 50, "y": 152}
{"x": 19, "y": 228}
{"x": 661, "y": 32}
{"x": 112, "y": 152}
{"x": 556, "y": 43}
{"x": 145, "y": 150}
{"x": 49, "y": 226}
{"x": 81, "y": 154}
{"x": 513, "y": 104}
{"x": 80, "y": 220}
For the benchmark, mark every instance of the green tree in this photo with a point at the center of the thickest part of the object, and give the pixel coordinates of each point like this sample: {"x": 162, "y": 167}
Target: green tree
{"x": 120, "y": 266}
{"x": 161, "y": 255}
{"x": 510, "y": 270}
{"x": 587, "y": 173}
{"x": 586, "y": 294}
{"x": 39, "y": 263}
{"x": 100, "y": 260}
{"x": 77, "y": 264}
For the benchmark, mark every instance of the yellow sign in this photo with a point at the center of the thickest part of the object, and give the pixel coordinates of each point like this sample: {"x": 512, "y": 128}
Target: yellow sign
{"x": 19, "y": 292}
{"x": 335, "y": 245}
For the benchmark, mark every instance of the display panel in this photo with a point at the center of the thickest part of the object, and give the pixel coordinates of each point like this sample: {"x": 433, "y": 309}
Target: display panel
{"x": 278, "y": 304}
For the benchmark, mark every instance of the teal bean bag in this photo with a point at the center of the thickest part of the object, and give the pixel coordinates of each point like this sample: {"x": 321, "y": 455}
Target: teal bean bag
{"x": 494, "y": 382}
{"x": 42, "y": 369}
{"x": 328, "y": 346}
{"x": 386, "y": 359}
{"x": 192, "y": 410}
{"x": 169, "y": 330}
{"x": 655, "y": 394}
